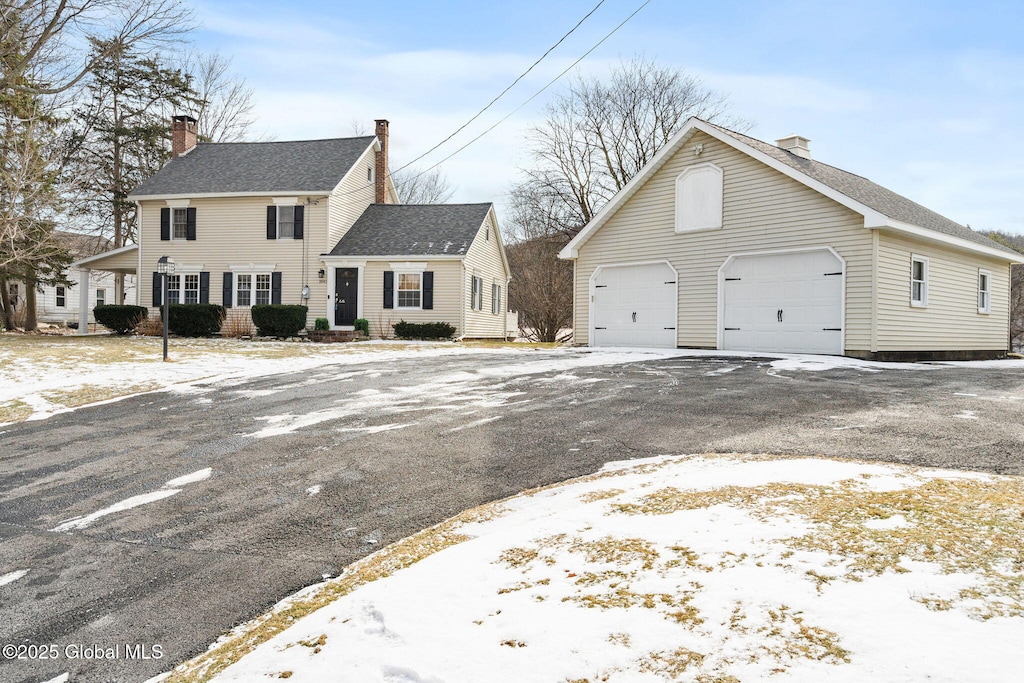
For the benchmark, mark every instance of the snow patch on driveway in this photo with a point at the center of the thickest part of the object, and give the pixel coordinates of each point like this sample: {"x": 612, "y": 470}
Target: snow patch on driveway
{"x": 166, "y": 491}
{"x": 11, "y": 577}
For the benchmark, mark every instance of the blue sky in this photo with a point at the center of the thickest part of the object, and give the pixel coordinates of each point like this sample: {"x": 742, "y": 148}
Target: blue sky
{"x": 926, "y": 98}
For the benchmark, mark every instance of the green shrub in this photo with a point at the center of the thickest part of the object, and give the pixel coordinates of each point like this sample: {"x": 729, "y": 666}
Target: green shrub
{"x": 194, "y": 320}
{"x": 279, "y": 320}
{"x": 362, "y": 325}
{"x": 438, "y": 330}
{"x": 120, "y": 319}
{"x": 322, "y": 324}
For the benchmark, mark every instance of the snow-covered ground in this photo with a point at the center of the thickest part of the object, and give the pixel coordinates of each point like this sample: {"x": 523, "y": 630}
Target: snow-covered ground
{"x": 715, "y": 568}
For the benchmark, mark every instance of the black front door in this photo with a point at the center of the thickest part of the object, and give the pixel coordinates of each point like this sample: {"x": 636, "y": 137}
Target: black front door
{"x": 346, "y": 295}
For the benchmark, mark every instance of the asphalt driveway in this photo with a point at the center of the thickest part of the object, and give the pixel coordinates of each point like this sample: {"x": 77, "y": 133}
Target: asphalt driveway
{"x": 149, "y": 526}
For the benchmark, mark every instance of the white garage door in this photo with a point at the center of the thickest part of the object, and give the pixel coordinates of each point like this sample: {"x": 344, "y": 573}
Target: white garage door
{"x": 784, "y": 303}
{"x": 634, "y": 306}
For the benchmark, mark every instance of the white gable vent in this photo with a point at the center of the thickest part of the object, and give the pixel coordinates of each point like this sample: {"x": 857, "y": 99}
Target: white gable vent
{"x": 797, "y": 144}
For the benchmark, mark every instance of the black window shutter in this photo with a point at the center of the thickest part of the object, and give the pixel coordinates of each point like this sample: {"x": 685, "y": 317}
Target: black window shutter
{"x": 204, "y": 287}
{"x": 389, "y": 289}
{"x": 190, "y": 223}
{"x": 165, "y": 224}
{"x": 271, "y": 222}
{"x": 158, "y": 286}
{"x": 228, "y": 290}
{"x": 275, "y": 288}
{"x": 299, "y": 215}
{"x": 428, "y": 290}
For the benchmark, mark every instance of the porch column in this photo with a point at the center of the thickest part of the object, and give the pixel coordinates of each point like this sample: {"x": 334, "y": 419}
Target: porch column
{"x": 83, "y": 301}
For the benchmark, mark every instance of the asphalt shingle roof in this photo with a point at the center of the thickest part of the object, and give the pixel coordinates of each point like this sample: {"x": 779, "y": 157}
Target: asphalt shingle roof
{"x": 413, "y": 230}
{"x": 229, "y": 167}
{"x": 870, "y": 194}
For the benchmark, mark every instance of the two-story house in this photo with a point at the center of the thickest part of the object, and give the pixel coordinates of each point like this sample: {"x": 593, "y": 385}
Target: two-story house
{"x": 313, "y": 222}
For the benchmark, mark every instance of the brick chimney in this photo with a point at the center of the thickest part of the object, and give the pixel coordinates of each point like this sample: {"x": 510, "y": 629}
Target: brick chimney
{"x": 184, "y": 135}
{"x": 797, "y": 144}
{"x": 380, "y": 172}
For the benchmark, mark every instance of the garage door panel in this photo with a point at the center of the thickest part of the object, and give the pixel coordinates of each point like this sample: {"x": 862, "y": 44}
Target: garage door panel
{"x": 635, "y": 306}
{"x": 783, "y": 303}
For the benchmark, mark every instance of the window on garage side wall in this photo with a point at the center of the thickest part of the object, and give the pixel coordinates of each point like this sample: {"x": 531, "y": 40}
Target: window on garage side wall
{"x": 984, "y": 291}
{"x": 918, "y": 281}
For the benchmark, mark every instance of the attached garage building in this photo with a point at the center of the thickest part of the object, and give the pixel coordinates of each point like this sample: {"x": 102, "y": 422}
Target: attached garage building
{"x": 726, "y": 242}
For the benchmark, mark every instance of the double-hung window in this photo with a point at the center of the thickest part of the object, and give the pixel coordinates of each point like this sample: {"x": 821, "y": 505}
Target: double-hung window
{"x": 179, "y": 224}
{"x": 918, "y": 281}
{"x": 477, "y": 301}
{"x": 62, "y": 298}
{"x": 191, "y": 291}
{"x": 174, "y": 289}
{"x": 250, "y": 289}
{"x": 101, "y": 296}
{"x": 495, "y": 298}
{"x": 262, "y": 288}
{"x": 409, "y": 290}
{"x": 181, "y": 289}
{"x": 285, "y": 222}
{"x": 243, "y": 290}
{"x": 984, "y": 291}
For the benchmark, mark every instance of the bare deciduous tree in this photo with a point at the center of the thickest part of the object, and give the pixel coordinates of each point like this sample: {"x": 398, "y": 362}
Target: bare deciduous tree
{"x": 414, "y": 187}
{"x": 55, "y": 37}
{"x": 1015, "y": 242}
{"x": 596, "y": 136}
{"x": 223, "y": 103}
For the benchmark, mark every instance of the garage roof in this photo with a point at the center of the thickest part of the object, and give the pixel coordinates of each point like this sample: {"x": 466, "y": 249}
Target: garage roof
{"x": 881, "y": 207}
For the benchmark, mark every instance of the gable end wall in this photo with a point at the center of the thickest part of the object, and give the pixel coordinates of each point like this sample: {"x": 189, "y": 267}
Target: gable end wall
{"x": 763, "y": 210}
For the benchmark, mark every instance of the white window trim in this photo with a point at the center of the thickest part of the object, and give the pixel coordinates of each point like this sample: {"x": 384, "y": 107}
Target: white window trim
{"x": 408, "y": 266}
{"x": 398, "y": 277}
{"x": 718, "y": 222}
{"x": 252, "y": 286}
{"x": 178, "y": 203}
{"x": 179, "y": 208}
{"x": 495, "y": 301}
{"x": 103, "y": 298}
{"x": 987, "y": 308}
{"x": 58, "y": 295}
{"x": 923, "y": 302}
{"x": 476, "y": 303}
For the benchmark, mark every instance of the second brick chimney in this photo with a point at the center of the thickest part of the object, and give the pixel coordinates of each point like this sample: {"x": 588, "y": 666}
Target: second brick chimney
{"x": 184, "y": 135}
{"x": 380, "y": 172}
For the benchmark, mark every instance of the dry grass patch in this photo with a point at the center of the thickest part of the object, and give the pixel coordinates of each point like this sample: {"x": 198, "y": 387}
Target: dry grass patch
{"x": 14, "y": 411}
{"x": 966, "y": 526}
{"x": 94, "y": 393}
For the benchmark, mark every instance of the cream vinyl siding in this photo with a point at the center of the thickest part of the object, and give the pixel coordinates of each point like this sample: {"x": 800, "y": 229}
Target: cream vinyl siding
{"x": 348, "y": 200}
{"x": 484, "y": 260}
{"x": 763, "y": 210}
{"x": 951, "y": 319}
{"x": 233, "y": 231}
{"x": 447, "y": 295}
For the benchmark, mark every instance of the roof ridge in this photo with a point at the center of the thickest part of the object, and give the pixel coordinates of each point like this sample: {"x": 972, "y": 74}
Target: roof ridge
{"x": 283, "y": 142}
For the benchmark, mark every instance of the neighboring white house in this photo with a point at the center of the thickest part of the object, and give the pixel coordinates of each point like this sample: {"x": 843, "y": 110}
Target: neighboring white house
{"x": 60, "y": 303}
{"x": 313, "y": 222}
{"x": 723, "y": 241}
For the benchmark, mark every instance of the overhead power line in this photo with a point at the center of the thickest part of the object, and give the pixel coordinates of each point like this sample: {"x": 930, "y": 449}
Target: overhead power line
{"x": 503, "y": 92}
{"x": 535, "y": 95}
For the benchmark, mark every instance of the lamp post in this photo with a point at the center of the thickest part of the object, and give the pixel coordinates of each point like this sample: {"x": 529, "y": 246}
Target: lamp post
{"x": 165, "y": 266}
